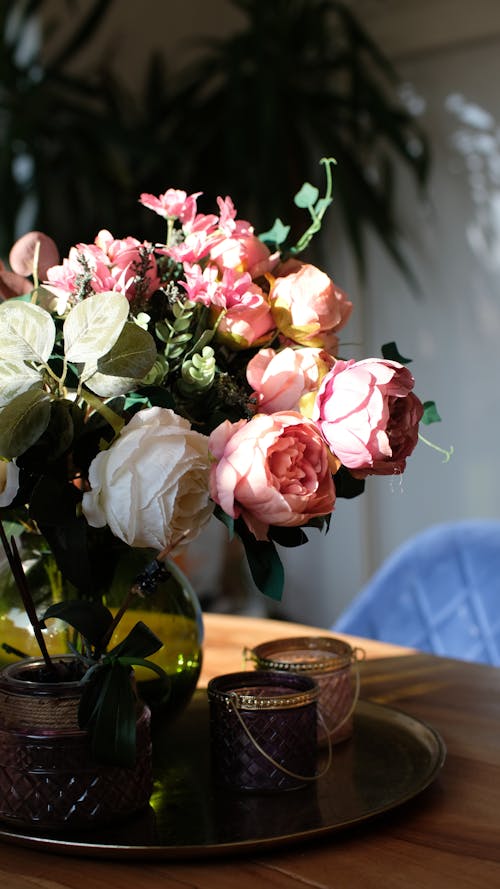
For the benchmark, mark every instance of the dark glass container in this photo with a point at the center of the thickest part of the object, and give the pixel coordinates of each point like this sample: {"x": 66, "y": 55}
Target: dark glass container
{"x": 263, "y": 730}
{"x": 48, "y": 777}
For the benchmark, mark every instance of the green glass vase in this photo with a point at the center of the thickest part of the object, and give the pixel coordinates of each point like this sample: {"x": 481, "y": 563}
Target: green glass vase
{"x": 173, "y": 613}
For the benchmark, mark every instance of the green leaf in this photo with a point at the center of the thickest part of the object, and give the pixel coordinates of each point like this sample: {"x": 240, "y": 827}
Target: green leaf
{"x": 113, "y": 716}
{"x": 107, "y": 386}
{"x": 264, "y": 563}
{"x": 431, "y": 414}
{"x": 148, "y": 665}
{"x": 226, "y": 520}
{"x": 288, "y": 536}
{"x": 133, "y": 354}
{"x": 346, "y": 485}
{"x": 23, "y": 421}
{"x": 27, "y": 332}
{"x": 276, "y": 235}
{"x": 94, "y": 325}
{"x": 307, "y": 196}
{"x": 141, "y": 642}
{"x": 89, "y": 618}
{"x": 390, "y": 353}
{"x": 16, "y": 377}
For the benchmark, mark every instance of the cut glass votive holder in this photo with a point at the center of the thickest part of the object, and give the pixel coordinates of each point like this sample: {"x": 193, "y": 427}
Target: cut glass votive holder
{"x": 332, "y": 663}
{"x": 263, "y": 730}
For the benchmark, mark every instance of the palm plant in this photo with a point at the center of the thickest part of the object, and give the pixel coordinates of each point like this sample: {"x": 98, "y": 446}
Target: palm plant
{"x": 250, "y": 117}
{"x": 301, "y": 80}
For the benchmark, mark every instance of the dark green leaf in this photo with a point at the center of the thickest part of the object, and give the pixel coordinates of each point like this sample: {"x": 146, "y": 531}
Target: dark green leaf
{"x": 139, "y": 643}
{"x": 346, "y": 485}
{"x": 226, "y": 520}
{"x": 288, "y": 536}
{"x": 23, "y": 421}
{"x": 90, "y": 619}
{"x": 431, "y": 414}
{"x": 264, "y": 563}
{"x": 390, "y": 353}
{"x": 113, "y": 716}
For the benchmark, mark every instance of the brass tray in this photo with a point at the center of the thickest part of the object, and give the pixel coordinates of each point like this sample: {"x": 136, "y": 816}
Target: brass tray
{"x": 390, "y": 759}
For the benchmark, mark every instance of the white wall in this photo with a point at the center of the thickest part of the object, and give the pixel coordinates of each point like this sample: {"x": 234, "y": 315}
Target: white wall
{"x": 452, "y": 331}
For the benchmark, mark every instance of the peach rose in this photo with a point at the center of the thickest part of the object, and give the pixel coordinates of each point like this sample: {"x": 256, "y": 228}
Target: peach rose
{"x": 280, "y": 380}
{"x": 307, "y": 306}
{"x": 369, "y": 416}
{"x": 271, "y": 470}
{"x": 245, "y": 253}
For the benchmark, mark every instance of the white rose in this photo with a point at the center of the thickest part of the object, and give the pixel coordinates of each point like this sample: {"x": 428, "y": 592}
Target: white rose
{"x": 9, "y": 482}
{"x": 151, "y": 485}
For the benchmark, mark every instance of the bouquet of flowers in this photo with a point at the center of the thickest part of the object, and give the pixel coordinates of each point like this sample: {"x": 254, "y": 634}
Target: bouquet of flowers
{"x": 146, "y": 386}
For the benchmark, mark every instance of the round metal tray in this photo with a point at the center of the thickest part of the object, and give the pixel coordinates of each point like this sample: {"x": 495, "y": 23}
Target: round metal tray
{"x": 390, "y": 759}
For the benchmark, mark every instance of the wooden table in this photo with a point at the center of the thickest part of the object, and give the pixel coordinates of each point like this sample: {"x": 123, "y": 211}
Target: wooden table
{"x": 448, "y": 836}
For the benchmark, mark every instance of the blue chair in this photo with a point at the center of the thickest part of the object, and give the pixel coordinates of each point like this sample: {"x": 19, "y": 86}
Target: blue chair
{"x": 438, "y": 592}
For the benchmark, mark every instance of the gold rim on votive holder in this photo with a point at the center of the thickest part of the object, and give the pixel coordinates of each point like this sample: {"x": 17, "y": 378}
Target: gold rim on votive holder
{"x": 258, "y": 694}
{"x": 304, "y": 654}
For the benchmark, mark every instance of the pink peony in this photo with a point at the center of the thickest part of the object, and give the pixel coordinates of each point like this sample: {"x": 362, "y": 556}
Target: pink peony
{"x": 271, "y": 470}
{"x": 281, "y": 380}
{"x": 244, "y": 254}
{"x": 369, "y": 416}
{"x": 307, "y": 306}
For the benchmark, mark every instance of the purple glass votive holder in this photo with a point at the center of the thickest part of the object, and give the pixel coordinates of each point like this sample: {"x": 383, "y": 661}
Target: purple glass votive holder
{"x": 330, "y": 663}
{"x": 263, "y": 730}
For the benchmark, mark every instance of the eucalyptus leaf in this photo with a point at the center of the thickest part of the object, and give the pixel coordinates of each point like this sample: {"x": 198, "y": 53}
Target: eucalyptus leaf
{"x": 107, "y": 386}
{"x": 27, "y": 332}
{"x": 16, "y": 377}
{"x": 132, "y": 356}
{"x": 94, "y": 325}
{"x": 23, "y": 421}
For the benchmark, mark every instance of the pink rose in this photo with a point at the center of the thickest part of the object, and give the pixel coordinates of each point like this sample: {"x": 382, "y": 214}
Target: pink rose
{"x": 271, "y": 470}
{"x": 369, "y": 416}
{"x": 280, "y": 380}
{"x": 307, "y": 306}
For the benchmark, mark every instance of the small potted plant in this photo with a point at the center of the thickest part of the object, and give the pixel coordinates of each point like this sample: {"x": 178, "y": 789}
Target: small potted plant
{"x": 75, "y": 743}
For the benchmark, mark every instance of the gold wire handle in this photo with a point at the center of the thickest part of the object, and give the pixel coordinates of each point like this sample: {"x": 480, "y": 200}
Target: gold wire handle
{"x": 233, "y": 699}
{"x": 355, "y": 698}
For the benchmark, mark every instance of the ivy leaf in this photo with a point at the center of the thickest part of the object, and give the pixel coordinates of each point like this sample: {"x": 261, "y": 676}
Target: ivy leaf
{"x": 431, "y": 414}
{"x": 94, "y": 325}
{"x": 276, "y": 235}
{"x": 27, "y": 332}
{"x": 307, "y": 196}
{"x": 23, "y": 421}
{"x": 390, "y": 353}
